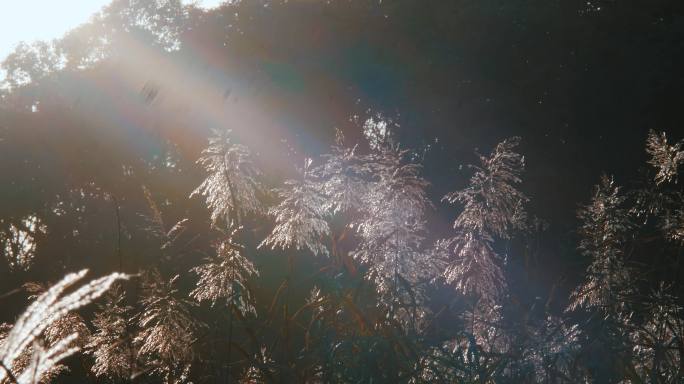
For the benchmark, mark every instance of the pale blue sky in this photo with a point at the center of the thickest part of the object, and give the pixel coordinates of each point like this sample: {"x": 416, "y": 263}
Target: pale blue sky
{"x": 30, "y": 20}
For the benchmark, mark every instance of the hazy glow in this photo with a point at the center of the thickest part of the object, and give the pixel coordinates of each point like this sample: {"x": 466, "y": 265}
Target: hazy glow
{"x": 30, "y": 20}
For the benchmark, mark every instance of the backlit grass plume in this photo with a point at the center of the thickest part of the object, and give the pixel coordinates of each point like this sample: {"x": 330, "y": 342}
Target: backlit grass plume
{"x": 47, "y": 309}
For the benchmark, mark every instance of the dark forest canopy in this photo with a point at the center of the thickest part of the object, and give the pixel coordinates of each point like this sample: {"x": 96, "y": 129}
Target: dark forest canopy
{"x": 349, "y": 191}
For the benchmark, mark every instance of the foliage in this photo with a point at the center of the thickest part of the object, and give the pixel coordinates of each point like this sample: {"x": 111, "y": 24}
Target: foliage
{"x": 100, "y": 130}
{"x": 300, "y": 216}
{"x": 46, "y": 312}
{"x": 664, "y": 157}
{"x": 223, "y": 279}
{"x": 657, "y": 352}
{"x": 232, "y": 186}
{"x": 491, "y": 205}
{"x": 391, "y": 231}
{"x": 604, "y": 230}
{"x": 111, "y": 343}
{"x": 167, "y": 329}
